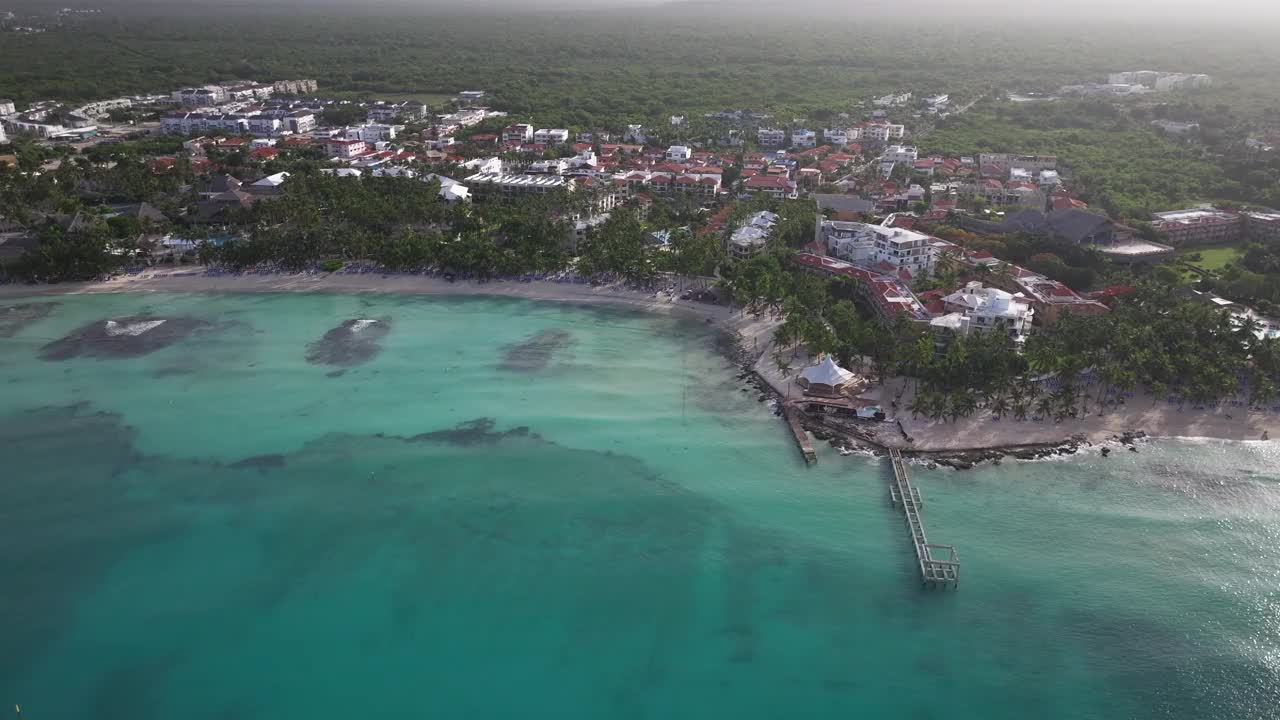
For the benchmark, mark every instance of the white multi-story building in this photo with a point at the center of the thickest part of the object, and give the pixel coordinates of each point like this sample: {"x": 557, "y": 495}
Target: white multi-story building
{"x": 519, "y": 133}
{"x": 265, "y": 125}
{"x": 850, "y": 241}
{"x": 385, "y": 112}
{"x": 679, "y": 153}
{"x": 772, "y": 137}
{"x": 374, "y": 132}
{"x": 900, "y": 154}
{"x": 203, "y": 96}
{"x": 492, "y": 186}
{"x": 294, "y": 87}
{"x": 192, "y": 123}
{"x": 752, "y": 238}
{"x": 903, "y": 250}
{"x": 835, "y": 136}
{"x": 884, "y": 131}
{"x": 7, "y": 107}
{"x": 245, "y": 92}
{"x": 484, "y": 166}
{"x": 464, "y": 118}
{"x": 803, "y": 137}
{"x": 891, "y": 100}
{"x": 2, "y": 135}
{"x": 300, "y": 123}
{"x": 101, "y": 108}
{"x": 937, "y": 103}
{"x": 977, "y": 309}
{"x": 345, "y": 149}
{"x": 548, "y": 167}
{"x": 554, "y": 136}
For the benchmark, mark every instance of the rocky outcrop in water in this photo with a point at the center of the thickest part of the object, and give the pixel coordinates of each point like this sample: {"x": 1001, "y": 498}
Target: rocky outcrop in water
{"x": 354, "y": 342}
{"x": 126, "y": 337}
{"x": 15, "y": 317}
{"x": 536, "y": 352}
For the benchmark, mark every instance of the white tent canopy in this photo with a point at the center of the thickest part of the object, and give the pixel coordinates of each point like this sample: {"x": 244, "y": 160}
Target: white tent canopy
{"x": 826, "y": 373}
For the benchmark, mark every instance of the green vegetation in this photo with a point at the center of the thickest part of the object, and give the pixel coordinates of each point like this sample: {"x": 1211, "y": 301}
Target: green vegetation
{"x": 608, "y": 67}
{"x": 1212, "y": 258}
{"x": 1111, "y": 161}
{"x": 1155, "y": 340}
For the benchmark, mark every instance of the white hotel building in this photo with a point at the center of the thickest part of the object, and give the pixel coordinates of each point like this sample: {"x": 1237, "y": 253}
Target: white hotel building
{"x": 978, "y": 309}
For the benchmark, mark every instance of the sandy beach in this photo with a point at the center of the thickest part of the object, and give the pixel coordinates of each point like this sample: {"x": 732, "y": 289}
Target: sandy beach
{"x": 978, "y": 432}
{"x": 755, "y": 331}
{"x": 981, "y": 432}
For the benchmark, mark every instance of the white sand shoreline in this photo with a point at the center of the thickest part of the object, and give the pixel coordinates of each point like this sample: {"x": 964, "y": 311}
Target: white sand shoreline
{"x": 975, "y": 433}
{"x": 755, "y": 331}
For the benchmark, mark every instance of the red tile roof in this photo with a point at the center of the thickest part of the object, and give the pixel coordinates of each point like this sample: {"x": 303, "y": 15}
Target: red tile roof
{"x": 769, "y": 182}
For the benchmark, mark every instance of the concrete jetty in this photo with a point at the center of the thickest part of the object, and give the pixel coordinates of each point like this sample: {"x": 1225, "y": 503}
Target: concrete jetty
{"x": 792, "y": 414}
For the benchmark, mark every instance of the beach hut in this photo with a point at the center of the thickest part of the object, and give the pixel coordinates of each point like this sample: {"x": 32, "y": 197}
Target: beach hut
{"x": 826, "y": 378}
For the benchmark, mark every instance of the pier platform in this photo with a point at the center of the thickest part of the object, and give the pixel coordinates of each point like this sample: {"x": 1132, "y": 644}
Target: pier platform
{"x": 939, "y": 564}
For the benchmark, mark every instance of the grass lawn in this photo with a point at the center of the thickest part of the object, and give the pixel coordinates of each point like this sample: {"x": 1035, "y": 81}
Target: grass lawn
{"x": 1212, "y": 258}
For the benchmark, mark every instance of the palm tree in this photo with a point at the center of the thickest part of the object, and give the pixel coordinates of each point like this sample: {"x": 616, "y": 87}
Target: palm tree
{"x": 999, "y": 406}
{"x": 1044, "y": 408}
{"x": 784, "y": 368}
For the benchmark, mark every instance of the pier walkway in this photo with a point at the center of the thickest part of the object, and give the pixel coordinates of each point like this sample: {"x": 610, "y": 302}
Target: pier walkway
{"x": 797, "y": 429}
{"x": 939, "y": 564}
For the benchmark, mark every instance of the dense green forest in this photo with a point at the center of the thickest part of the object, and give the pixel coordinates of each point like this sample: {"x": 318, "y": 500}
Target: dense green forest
{"x": 585, "y": 67}
{"x": 1114, "y": 161}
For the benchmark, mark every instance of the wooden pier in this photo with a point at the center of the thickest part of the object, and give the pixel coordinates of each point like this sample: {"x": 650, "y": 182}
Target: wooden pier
{"x": 939, "y": 564}
{"x": 797, "y": 429}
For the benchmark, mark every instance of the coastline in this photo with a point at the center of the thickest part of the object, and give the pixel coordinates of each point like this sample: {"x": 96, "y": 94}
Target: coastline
{"x": 750, "y": 331}
{"x": 979, "y": 438}
{"x": 973, "y": 439}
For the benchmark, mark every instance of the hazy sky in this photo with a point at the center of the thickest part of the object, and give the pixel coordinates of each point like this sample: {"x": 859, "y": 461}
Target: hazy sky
{"x": 1156, "y": 12}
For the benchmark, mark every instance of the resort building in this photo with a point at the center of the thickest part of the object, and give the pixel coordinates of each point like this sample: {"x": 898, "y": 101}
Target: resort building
{"x": 907, "y": 254}
{"x": 501, "y": 187}
{"x": 886, "y": 295}
{"x": 1199, "y": 226}
{"x": 902, "y": 250}
{"x": 751, "y": 239}
{"x": 977, "y": 309}
{"x": 850, "y": 241}
{"x": 1051, "y": 299}
{"x": 1262, "y": 225}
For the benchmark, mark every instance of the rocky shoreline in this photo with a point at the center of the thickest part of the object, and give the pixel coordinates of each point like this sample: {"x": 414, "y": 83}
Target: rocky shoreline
{"x": 863, "y": 437}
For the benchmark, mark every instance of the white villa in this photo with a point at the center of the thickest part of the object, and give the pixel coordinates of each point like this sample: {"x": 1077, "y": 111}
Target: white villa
{"x": 977, "y": 309}
{"x": 750, "y": 239}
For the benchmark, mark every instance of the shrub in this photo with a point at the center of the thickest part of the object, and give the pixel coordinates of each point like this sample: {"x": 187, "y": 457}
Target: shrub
{"x": 333, "y": 265}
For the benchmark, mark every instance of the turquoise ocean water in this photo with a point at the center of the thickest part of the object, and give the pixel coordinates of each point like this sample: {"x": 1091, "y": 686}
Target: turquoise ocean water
{"x": 486, "y": 508}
